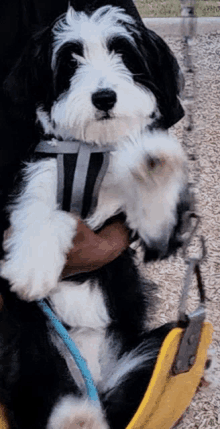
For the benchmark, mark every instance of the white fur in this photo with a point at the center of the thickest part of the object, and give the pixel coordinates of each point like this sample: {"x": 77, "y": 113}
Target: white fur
{"x": 89, "y": 307}
{"x": 114, "y": 370}
{"x": 90, "y": 343}
{"x": 147, "y": 196}
{"x": 89, "y": 319}
{"x": 82, "y": 307}
{"x": 40, "y": 235}
{"x": 73, "y": 113}
{"x": 72, "y": 413}
{"x": 99, "y": 26}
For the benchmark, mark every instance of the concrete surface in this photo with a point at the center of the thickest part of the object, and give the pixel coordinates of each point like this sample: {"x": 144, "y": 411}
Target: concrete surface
{"x": 172, "y": 26}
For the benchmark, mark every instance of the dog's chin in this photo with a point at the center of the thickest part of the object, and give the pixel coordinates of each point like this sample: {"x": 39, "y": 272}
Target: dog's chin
{"x": 108, "y": 129}
{"x": 102, "y": 128}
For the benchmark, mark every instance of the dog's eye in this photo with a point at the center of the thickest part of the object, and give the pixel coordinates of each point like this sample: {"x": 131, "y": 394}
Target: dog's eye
{"x": 130, "y": 54}
{"x": 118, "y": 44}
{"x": 66, "y": 66}
{"x": 71, "y": 48}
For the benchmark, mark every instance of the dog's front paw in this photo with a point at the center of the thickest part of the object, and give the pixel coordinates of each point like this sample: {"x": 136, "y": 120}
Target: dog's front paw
{"x": 71, "y": 413}
{"x": 36, "y": 256}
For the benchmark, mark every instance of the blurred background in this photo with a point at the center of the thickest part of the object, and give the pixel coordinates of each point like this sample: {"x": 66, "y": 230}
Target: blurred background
{"x": 171, "y": 8}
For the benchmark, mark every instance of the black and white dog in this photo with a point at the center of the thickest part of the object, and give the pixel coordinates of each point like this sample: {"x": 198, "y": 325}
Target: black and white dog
{"x": 92, "y": 77}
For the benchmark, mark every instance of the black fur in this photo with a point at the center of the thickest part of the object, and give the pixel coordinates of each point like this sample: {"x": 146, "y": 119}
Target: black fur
{"x": 153, "y": 65}
{"x": 66, "y": 66}
{"x": 121, "y": 403}
{"x": 33, "y": 376}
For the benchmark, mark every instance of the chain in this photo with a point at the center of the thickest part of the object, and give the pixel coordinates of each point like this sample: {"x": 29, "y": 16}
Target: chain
{"x": 188, "y": 28}
{"x": 188, "y": 34}
{"x": 190, "y": 133}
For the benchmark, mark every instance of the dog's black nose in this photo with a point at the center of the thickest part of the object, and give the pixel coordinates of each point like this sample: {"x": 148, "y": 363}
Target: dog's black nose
{"x": 104, "y": 99}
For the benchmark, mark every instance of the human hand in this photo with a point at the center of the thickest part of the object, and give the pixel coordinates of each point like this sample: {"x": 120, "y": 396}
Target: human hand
{"x": 93, "y": 250}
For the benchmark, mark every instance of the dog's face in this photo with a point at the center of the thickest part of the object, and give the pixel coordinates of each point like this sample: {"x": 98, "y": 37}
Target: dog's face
{"x": 94, "y": 60}
{"x": 97, "y": 77}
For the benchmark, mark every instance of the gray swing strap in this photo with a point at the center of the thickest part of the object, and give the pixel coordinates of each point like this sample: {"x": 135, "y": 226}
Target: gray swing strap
{"x": 84, "y": 151}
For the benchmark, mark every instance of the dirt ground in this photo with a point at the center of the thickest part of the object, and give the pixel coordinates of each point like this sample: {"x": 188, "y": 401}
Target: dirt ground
{"x": 204, "y": 411}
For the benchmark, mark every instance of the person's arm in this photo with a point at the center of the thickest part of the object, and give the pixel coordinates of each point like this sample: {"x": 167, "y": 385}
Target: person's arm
{"x": 93, "y": 250}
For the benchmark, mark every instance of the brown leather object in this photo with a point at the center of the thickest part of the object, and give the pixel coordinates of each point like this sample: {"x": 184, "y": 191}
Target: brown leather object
{"x": 93, "y": 250}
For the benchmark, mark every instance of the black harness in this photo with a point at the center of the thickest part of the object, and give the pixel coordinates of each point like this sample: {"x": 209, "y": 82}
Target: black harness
{"x": 71, "y": 195}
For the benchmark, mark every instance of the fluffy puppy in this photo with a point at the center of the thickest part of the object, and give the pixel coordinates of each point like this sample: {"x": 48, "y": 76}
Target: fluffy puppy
{"x": 90, "y": 78}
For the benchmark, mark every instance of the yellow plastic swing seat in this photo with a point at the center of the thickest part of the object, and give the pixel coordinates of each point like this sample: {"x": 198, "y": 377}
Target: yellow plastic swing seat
{"x": 167, "y": 396}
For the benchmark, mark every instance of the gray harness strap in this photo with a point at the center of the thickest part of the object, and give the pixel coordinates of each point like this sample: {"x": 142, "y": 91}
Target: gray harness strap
{"x": 98, "y": 182}
{"x": 79, "y": 182}
{"x": 84, "y": 151}
{"x": 60, "y": 179}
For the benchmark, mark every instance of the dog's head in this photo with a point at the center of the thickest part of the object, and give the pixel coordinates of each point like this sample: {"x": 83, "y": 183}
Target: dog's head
{"x": 97, "y": 77}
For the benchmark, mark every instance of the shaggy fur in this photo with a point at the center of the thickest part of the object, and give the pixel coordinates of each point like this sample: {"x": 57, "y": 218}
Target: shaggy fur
{"x": 90, "y": 77}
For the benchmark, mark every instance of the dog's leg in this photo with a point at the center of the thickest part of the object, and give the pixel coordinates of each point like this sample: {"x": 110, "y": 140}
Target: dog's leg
{"x": 40, "y": 235}
{"x": 73, "y": 413}
{"x": 127, "y": 379}
{"x": 33, "y": 374}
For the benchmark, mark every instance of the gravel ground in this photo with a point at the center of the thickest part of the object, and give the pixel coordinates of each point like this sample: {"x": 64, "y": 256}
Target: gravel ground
{"x": 204, "y": 411}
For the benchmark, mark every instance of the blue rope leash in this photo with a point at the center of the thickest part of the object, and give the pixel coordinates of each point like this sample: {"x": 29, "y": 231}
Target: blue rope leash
{"x": 80, "y": 362}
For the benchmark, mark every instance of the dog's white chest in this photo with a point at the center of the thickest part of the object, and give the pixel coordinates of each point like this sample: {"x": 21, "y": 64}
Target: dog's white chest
{"x": 89, "y": 342}
{"x": 82, "y": 307}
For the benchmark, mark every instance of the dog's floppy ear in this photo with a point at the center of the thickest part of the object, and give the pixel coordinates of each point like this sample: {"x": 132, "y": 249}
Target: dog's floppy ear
{"x": 30, "y": 81}
{"x": 166, "y": 76}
